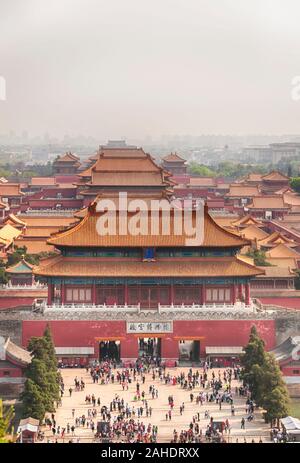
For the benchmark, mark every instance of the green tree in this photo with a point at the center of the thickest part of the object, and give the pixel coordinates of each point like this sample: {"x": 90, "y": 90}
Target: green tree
{"x": 252, "y": 360}
{"x": 42, "y": 349}
{"x": 262, "y": 374}
{"x": 259, "y": 258}
{"x": 32, "y": 401}
{"x": 6, "y": 417}
{"x": 51, "y": 364}
{"x": 276, "y": 405}
{"x": 201, "y": 170}
{"x": 274, "y": 396}
{"x": 16, "y": 256}
{"x": 295, "y": 184}
{"x": 42, "y": 378}
{"x": 51, "y": 356}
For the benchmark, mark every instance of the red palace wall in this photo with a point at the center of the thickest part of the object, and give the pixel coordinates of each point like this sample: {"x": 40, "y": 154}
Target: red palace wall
{"x": 291, "y": 371}
{"x": 13, "y": 372}
{"x": 211, "y": 333}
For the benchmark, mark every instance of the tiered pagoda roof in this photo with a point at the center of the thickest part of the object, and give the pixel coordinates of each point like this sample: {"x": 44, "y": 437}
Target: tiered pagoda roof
{"x": 124, "y": 168}
{"x": 174, "y": 157}
{"x": 84, "y": 235}
{"x": 69, "y": 158}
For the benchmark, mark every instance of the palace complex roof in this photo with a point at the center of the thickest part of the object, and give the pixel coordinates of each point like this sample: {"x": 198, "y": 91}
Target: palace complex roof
{"x": 275, "y": 239}
{"x": 173, "y": 157}
{"x": 245, "y": 221}
{"x": 46, "y": 221}
{"x": 125, "y": 167}
{"x": 43, "y": 181}
{"x": 254, "y": 177}
{"x": 33, "y": 245}
{"x": 10, "y": 189}
{"x": 12, "y": 219}
{"x": 242, "y": 191}
{"x": 268, "y": 203}
{"x": 16, "y": 353}
{"x": 283, "y": 251}
{"x": 292, "y": 199}
{"x": 252, "y": 232}
{"x": 208, "y": 182}
{"x": 69, "y": 158}
{"x": 275, "y": 176}
{"x": 85, "y": 234}
{"x": 285, "y": 350}
{"x": 8, "y": 234}
{"x": 20, "y": 267}
{"x": 277, "y": 272}
{"x": 97, "y": 267}
{"x": 283, "y": 262}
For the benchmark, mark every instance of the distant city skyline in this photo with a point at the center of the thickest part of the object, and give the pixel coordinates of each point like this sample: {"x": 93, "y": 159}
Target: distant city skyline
{"x": 140, "y": 69}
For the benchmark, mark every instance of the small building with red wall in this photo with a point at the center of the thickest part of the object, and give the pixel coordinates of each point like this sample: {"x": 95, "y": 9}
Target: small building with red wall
{"x": 288, "y": 356}
{"x": 13, "y": 361}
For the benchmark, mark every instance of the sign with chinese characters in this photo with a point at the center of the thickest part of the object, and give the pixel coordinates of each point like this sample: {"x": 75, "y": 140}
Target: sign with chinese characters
{"x": 149, "y": 327}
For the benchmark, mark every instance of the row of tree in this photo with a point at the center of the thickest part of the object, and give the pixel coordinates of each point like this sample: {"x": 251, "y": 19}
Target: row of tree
{"x": 262, "y": 374}
{"x": 42, "y": 387}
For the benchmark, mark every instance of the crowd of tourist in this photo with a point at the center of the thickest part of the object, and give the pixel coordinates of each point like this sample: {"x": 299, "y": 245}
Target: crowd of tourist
{"x": 124, "y": 421}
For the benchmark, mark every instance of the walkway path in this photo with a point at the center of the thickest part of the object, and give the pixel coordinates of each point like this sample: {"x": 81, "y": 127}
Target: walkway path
{"x": 254, "y": 430}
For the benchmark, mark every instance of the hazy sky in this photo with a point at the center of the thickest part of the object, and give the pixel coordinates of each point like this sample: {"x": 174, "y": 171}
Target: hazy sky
{"x": 110, "y": 68}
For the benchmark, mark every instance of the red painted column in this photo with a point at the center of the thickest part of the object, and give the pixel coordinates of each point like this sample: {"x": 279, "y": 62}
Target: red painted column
{"x": 94, "y": 293}
{"x": 241, "y": 295}
{"x": 247, "y": 293}
{"x": 50, "y": 291}
{"x": 203, "y": 294}
{"x": 63, "y": 293}
{"x": 233, "y": 294}
{"x": 172, "y": 294}
{"x": 126, "y": 294}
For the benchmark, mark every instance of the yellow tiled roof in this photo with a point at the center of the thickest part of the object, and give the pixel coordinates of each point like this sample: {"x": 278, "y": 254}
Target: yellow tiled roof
{"x": 85, "y": 234}
{"x": 283, "y": 251}
{"x": 253, "y": 232}
{"x": 206, "y": 267}
{"x": 9, "y": 233}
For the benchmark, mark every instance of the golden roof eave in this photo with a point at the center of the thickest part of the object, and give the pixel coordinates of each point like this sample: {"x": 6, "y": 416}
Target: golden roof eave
{"x": 98, "y": 267}
{"x": 84, "y": 234}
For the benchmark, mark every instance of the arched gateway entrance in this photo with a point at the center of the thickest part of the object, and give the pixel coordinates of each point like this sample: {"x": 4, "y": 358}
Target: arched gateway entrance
{"x": 190, "y": 349}
{"x": 109, "y": 349}
{"x": 149, "y": 347}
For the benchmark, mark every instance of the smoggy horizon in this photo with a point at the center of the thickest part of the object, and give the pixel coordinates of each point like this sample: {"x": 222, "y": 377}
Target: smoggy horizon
{"x": 136, "y": 69}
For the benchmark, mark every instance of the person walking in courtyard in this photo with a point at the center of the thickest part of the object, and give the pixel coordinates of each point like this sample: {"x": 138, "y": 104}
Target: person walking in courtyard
{"x": 243, "y": 423}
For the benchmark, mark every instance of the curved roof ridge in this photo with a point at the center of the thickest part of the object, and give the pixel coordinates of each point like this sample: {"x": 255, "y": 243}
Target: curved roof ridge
{"x": 214, "y": 235}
